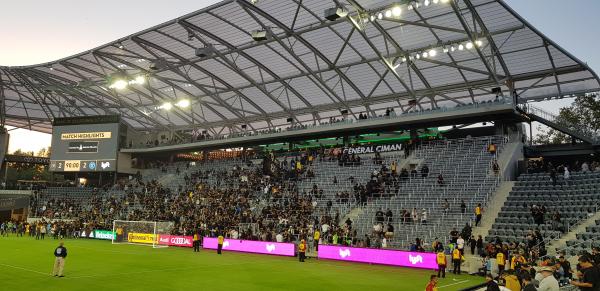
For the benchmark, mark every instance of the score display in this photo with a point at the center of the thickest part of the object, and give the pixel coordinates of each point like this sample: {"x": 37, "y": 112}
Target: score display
{"x": 84, "y": 147}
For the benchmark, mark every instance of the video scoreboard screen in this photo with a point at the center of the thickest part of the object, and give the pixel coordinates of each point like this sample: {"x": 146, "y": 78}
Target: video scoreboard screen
{"x": 84, "y": 147}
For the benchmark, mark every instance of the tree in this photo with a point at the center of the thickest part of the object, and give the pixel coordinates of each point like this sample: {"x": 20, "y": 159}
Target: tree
{"x": 583, "y": 116}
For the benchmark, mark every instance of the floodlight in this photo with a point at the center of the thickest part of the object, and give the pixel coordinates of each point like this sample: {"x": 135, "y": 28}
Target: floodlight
{"x": 425, "y": 54}
{"x": 426, "y": 2}
{"x": 446, "y": 50}
{"x": 432, "y": 52}
{"x": 436, "y": 1}
{"x": 118, "y": 84}
{"x": 332, "y": 14}
{"x": 140, "y": 80}
{"x": 380, "y": 16}
{"x": 183, "y": 103}
{"x": 372, "y": 18}
{"x": 388, "y": 13}
{"x": 478, "y": 43}
{"x": 461, "y": 47}
{"x": 259, "y": 35}
{"x": 469, "y": 45}
{"x": 396, "y": 11}
{"x": 167, "y": 106}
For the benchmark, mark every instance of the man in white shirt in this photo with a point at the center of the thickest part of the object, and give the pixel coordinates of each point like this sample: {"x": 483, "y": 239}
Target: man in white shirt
{"x": 548, "y": 282}
{"x": 460, "y": 242}
{"x": 279, "y": 237}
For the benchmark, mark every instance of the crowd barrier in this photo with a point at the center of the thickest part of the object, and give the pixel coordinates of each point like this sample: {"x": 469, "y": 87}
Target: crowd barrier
{"x": 250, "y": 246}
{"x": 378, "y": 256}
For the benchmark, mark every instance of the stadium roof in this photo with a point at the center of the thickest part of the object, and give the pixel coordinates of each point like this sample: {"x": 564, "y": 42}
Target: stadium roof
{"x": 382, "y": 54}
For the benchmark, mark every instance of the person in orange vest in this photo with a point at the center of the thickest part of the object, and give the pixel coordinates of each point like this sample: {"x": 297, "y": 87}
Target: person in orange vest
{"x": 302, "y": 250}
{"x": 478, "y": 211}
{"x": 442, "y": 263}
{"x": 220, "y": 240}
{"x": 432, "y": 285}
{"x": 500, "y": 260}
{"x": 196, "y": 242}
{"x": 316, "y": 237}
{"x": 456, "y": 260}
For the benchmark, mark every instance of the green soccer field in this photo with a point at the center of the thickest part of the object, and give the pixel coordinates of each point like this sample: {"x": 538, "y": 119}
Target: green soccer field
{"x": 26, "y": 264}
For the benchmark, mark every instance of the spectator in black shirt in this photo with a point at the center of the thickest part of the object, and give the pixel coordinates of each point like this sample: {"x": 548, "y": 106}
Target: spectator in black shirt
{"x": 60, "y": 253}
{"x": 590, "y": 281}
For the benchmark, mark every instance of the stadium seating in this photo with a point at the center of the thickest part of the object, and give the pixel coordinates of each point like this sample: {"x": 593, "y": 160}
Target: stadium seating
{"x": 574, "y": 201}
{"x": 466, "y": 167}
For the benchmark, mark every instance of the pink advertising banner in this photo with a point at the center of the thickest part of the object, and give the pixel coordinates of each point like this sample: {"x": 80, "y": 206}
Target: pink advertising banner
{"x": 379, "y": 256}
{"x": 250, "y": 246}
{"x": 175, "y": 240}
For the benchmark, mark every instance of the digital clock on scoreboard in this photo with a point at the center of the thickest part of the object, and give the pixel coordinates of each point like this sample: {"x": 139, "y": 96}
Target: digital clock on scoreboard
{"x": 82, "y": 166}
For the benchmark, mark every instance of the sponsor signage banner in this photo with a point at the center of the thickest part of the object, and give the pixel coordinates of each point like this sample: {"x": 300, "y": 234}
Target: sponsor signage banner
{"x": 369, "y": 149}
{"x": 250, "y": 246}
{"x": 103, "y": 234}
{"x": 379, "y": 256}
{"x": 175, "y": 240}
{"x": 145, "y": 238}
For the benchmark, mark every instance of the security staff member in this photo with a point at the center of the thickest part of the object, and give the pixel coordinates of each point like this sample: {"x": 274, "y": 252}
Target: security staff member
{"x": 316, "y": 238}
{"x": 220, "y": 240}
{"x": 456, "y": 260}
{"x": 60, "y": 253}
{"x": 501, "y": 260}
{"x": 441, "y": 261}
{"x": 302, "y": 250}
{"x": 196, "y": 243}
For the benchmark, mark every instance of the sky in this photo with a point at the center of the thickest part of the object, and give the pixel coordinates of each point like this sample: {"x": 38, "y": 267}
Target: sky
{"x": 34, "y": 31}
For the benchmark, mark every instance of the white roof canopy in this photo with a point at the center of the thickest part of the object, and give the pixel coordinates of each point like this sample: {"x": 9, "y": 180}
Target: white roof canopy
{"x": 439, "y": 53}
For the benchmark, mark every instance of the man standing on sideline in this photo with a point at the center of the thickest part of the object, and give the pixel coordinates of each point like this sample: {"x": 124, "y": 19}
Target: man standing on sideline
{"x": 60, "y": 253}
{"x": 456, "y": 260}
{"x": 316, "y": 237}
{"x": 478, "y": 211}
{"x": 302, "y": 250}
{"x": 442, "y": 263}
{"x": 196, "y": 242}
{"x": 220, "y": 240}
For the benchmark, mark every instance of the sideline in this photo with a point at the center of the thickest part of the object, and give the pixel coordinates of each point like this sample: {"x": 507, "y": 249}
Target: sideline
{"x": 457, "y": 283}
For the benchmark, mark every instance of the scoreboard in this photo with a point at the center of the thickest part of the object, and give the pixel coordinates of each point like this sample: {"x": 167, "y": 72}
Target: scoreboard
{"x": 84, "y": 146}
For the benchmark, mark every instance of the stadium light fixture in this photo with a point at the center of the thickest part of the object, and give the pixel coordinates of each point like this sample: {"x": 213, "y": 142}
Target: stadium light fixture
{"x": 167, "y": 106}
{"x": 432, "y": 52}
{"x": 461, "y": 47}
{"x": 479, "y": 43}
{"x": 332, "y": 14}
{"x": 259, "y": 35}
{"x": 140, "y": 80}
{"x": 396, "y": 11}
{"x": 469, "y": 45}
{"x": 118, "y": 84}
{"x": 427, "y": 2}
{"x": 425, "y": 54}
{"x": 183, "y": 103}
{"x": 388, "y": 13}
{"x": 380, "y": 16}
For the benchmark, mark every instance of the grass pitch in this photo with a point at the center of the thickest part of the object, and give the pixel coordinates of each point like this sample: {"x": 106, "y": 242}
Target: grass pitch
{"x": 26, "y": 264}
